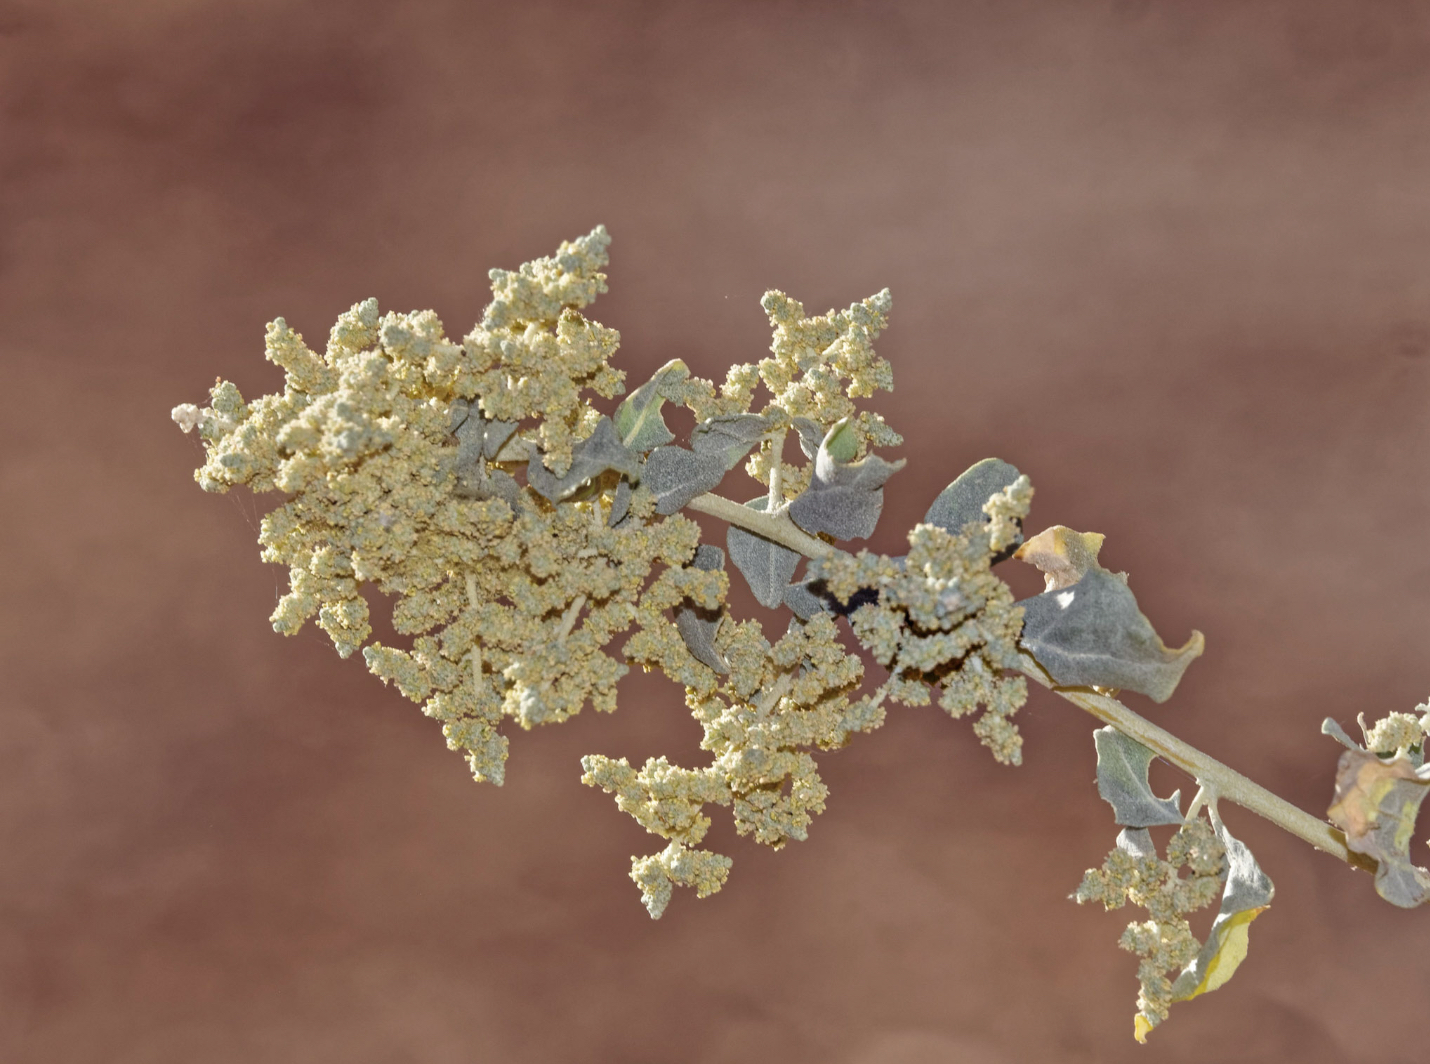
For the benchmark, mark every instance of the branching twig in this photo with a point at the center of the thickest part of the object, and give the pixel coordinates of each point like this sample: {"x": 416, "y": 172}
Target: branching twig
{"x": 1214, "y": 776}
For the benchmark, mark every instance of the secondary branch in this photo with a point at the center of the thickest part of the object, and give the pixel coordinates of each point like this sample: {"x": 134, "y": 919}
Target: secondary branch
{"x": 1217, "y": 779}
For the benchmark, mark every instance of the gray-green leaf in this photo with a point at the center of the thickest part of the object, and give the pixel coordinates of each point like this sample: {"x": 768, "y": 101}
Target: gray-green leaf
{"x": 1136, "y": 842}
{"x": 621, "y": 504}
{"x": 698, "y": 627}
{"x": 962, "y": 501}
{"x": 810, "y": 435}
{"x": 804, "y": 602}
{"x": 476, "y": 438}
{"x": 765, "y": 565}
{"x": 600, "y": 451}
{"x": 638, "y": 419}
{"x": 843, "y": 499}
{"x": 1122, "y": 765}
{"x": 730, "y": 436}
{"x": 1093, "y": 635}
{"x": 676, "y": 476}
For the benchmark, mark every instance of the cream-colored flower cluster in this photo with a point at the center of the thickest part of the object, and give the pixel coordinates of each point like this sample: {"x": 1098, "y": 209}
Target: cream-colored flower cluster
{"x": 761, "y": 719}
{"x": 520, "y": 530}
{"x": 943, "y": 619}
{"x": 818, "y": 367}
{"x": 509, "y": 605}
{"x": 1165, "y": 941}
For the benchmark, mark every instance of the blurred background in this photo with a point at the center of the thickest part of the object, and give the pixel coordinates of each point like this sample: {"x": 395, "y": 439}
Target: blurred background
{"x": 1172, "y": 260}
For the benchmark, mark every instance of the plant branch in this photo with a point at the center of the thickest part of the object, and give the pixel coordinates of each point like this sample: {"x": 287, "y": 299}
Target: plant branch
{"x": 1213, "y": 776}
{"x": 777, "y": 527}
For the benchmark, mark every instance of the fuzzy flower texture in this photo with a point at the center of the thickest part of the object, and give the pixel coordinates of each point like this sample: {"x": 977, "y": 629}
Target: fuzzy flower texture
{"x": 519, "y": 530}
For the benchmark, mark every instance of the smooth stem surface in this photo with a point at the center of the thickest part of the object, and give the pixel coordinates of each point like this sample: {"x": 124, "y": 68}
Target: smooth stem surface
{"x": 776, "y": 527}
{"x": 1218, "y": 780}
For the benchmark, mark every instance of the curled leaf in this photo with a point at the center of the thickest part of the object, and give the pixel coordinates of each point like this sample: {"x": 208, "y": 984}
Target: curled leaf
{"x": 600, "y": 451}
{"x": 1375, "y": 804}
{"x": 1246, "y": 895}
{"x": 697, "y": 626}
{"x": 841, "y": 441}
{"x": 1093, "y": 635}
{"x": 676, "y": 476}
{"x": 1063, "y": 556}
{"x": 766, "y": 566}
{"x": 1122, "y": 764}
{"x": 810, "y": 435}
{"x": 843, "y": 499}
{"x": 638, "y": 419}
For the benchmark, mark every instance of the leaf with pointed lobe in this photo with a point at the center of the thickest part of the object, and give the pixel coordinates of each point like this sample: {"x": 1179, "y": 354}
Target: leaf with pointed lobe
{"x": 730, "y": 436}
{"x": 600, "y": 451}
{"x": 1122, "y": 764}
{"x": 638, "y": 419}
{"x": 843, "y": 499}
{"x": 697, "y": 626}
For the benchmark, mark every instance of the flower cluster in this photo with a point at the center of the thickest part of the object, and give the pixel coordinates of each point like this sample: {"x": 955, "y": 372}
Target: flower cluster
{"x": 942, "y": 619}
{"x": 1134, "y": 873}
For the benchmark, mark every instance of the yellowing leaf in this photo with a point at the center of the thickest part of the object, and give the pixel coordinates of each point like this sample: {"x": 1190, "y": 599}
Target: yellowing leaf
{"x": 1247, "y": 894}
{"x": 1063, "y": 556}
{"x": 1375, "y": 805}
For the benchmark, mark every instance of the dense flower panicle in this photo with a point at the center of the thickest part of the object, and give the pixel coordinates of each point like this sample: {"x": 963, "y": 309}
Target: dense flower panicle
{"x": 943, "y": 620}
{"x": 1134, "y": 873}
{"x": 403, "y": 453}
{"x": 510, "y": 598}
{"x": 818, "y": 368}
{"x": 760, "y": 722}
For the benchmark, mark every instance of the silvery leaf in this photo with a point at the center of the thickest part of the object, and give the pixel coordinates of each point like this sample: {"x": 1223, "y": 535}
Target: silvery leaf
{"x": 1122, "y": 781}
{"x": 676, "y": 476}
{"x": 457, "y": 413}
{"x": 808, "y": 597}
{"x": 962, "y": 501}
{"x": 498, "y": 432}
{"x": 730, "y": 436}
{"x": 765, "y": 565}
{"x": 1093, "y": 635}
{"x": 697, "y": 627}
{"x": 843, "y": 499}
{"x": 474, "y": 435}
{"x": 810, "y": 435}
{"x": 638, "y": 419}
{"x": 621, "y": 504}
{"x": 591, "y": 457}
{"x": 471, "y": 471}
{"x": 804, "y": 602}
{"x": 1136, "y": 842}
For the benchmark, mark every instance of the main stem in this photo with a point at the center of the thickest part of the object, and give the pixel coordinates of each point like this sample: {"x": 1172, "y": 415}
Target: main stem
{"x": 1219, "y": 781}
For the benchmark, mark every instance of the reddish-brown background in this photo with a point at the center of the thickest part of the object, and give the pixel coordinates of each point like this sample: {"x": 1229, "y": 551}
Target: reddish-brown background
{"x": 1173, "y": 260}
